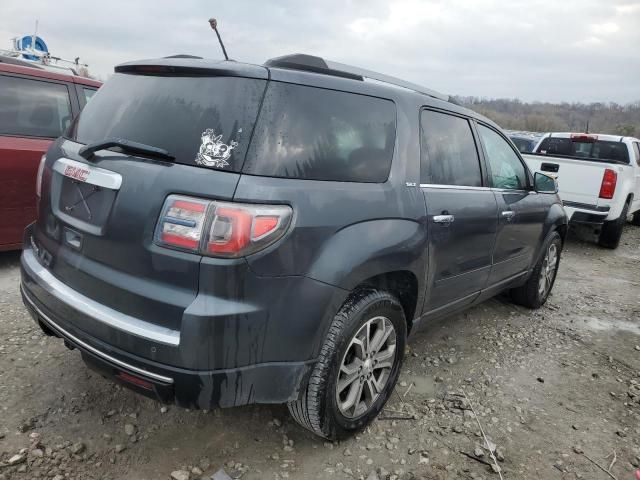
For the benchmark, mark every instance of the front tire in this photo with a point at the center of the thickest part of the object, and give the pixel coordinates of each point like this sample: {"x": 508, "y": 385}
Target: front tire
{"x": 635, "y": 219}
{"x": 535, "y": 292}
{"x": 612, "y": 231}
{"x": 357, "y": 369}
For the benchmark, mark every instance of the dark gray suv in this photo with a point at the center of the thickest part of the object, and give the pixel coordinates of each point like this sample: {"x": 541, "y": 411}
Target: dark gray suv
{"x": 213, "y": 233}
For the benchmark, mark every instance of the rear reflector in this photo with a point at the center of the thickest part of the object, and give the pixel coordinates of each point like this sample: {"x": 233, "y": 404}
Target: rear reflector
{"x": 137, "y": 381}
{"x": 43, "y": 159}
{"x": 220, "y": 229}
{"x": 608, "y": 186}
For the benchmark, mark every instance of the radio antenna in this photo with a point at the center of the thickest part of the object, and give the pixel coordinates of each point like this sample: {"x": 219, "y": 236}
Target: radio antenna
{"x": 214, "y": 25}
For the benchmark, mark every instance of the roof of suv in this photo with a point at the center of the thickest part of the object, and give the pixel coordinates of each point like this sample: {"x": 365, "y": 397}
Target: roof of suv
{"x": 41, "y": 73}
{"x": 299, "y": 68}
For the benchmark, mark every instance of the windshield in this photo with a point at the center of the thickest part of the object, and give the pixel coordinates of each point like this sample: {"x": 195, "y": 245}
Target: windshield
{"x": 201, "y": 121}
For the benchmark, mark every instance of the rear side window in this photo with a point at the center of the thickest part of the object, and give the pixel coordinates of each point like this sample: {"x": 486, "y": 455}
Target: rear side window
{"x": 637, "y": 151}
{"x": 201, "y": 121}
{"x": 448, "y": 154}
{"x": 579, "y": 148}
{"x": 33, "y": 108}
{"x": 318, "y": 134}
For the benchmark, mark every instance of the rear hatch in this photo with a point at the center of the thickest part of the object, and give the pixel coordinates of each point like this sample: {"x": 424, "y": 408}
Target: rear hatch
{"x": 98, "y": 216}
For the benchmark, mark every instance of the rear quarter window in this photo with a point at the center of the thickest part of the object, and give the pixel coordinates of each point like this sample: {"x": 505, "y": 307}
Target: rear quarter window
{"x": 33, "y": 108}
{"x": 317, "y": 134}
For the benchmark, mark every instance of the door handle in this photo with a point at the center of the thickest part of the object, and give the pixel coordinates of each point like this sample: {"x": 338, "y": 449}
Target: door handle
{"x": 443, "y": 219}
{"x": 508, "y": 214}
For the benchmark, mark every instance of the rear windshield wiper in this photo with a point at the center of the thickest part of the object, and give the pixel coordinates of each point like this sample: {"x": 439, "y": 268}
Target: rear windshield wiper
{"x": 125, "y": 145}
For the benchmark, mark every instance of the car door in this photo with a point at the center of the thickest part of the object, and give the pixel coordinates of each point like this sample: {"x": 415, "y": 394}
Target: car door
{"x": 461, "y": 212}
{"x": 32, "y": 113}
{"x": 521, "y": 212}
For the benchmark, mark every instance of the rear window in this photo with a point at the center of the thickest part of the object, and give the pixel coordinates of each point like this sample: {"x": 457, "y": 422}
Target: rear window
{"x": 318, "y": 134}
{"x": 524, "y": 145}
{"x": 33, "y": 108}
{"x": 201, "y": 121}
{"x": 592, "y": 150}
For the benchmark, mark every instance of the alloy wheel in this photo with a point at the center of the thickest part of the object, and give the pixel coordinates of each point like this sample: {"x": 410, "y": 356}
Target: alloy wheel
{"x": 366, "y": 367}
{"x": 548, "y": 270}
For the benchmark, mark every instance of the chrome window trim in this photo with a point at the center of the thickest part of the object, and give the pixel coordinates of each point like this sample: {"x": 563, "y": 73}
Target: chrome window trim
{"x": 453, "y": 187}
{"x": 95, "y": 310}
{"x": 508, "y": 190}
{"x": 50, "y": 323}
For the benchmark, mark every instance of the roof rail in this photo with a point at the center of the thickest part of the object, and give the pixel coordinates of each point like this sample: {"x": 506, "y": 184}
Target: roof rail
{"x": 312, "y": 63}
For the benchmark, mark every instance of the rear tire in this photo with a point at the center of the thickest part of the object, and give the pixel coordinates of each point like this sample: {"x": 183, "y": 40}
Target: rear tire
{"x": 635, "y": 219}
{"x": 612, "y": 231}
{"x": 535, "y": 292}
{"x": 322, "y": 406}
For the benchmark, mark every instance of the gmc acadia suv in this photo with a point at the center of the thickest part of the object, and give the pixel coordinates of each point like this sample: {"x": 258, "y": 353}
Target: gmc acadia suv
{"x": 213, "y": 233}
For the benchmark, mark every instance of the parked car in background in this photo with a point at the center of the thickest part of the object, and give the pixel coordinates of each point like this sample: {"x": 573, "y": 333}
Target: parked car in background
{"x": 525, "y": 141}
{"x": 36, "y": 106}
{"x": 214, "y": 233}
{"x": 598, "y": 178}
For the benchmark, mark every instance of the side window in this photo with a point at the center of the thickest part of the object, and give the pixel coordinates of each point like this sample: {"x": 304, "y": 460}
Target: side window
{"x": 33, "y": 108}
{"x": 317, "y": 134}
{"x": 88, "y": 93}
{"x": 637, "y": 145}
{"x": 448, "y": 155}
{"x": 507, "y": 171}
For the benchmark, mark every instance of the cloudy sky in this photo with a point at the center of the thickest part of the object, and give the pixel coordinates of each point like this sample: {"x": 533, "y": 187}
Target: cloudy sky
{"x": 563, "y": 50}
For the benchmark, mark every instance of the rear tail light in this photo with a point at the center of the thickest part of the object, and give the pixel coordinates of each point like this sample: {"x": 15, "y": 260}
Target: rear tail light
{"x": 39, "y": 176}
{"x": 220, "y": 229}
{"x": 608, "y": 186}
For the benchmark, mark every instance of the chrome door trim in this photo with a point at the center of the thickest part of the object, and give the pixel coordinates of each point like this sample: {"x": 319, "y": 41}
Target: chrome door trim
{"x": 453, "y": 187}
{"x": 85, "y": 173}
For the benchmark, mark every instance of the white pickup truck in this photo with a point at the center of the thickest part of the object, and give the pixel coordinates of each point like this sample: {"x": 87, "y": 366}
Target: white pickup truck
{"x": 598, "y": 179}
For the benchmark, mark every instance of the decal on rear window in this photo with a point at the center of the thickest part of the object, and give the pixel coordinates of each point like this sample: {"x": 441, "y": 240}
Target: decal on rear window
{"x": 213, "y": 152}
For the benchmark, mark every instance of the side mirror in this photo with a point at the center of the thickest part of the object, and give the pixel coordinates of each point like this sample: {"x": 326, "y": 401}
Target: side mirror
{"x": 544, "y": 183}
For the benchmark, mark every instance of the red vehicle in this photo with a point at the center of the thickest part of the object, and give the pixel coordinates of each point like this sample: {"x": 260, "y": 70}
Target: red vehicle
{"x": 36, "y": 106}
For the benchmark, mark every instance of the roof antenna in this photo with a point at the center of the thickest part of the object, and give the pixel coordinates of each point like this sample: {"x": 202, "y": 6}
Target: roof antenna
{"x": 214, "y": 25}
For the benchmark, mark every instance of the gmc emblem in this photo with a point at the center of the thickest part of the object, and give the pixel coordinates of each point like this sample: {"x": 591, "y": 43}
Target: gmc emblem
{"x": 76, "y": 173}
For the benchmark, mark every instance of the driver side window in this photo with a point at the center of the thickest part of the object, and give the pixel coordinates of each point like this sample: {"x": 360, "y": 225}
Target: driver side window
{"x": 507, "y": 171}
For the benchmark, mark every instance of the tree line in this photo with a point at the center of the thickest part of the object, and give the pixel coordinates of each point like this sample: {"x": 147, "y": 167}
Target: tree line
{"x": 514, "y": 114}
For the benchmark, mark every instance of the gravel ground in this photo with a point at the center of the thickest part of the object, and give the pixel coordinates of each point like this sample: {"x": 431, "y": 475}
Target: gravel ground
{"x": 556, "y": 390}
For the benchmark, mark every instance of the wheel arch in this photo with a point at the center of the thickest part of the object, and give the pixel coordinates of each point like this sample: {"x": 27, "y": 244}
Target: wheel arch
{"x": 403, "y": 284}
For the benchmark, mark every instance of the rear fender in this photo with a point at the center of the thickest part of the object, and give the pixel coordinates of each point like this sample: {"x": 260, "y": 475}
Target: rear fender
{"x": 364, "y": 250}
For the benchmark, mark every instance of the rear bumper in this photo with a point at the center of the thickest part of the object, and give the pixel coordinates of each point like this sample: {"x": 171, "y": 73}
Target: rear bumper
{"x": 261, "y": 383}
{"x": 588, "y": 215}
{"x": 220, "y": 356}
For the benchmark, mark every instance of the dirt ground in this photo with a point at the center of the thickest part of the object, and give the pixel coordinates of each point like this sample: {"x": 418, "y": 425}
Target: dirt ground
{"x": 557, "y": 390}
